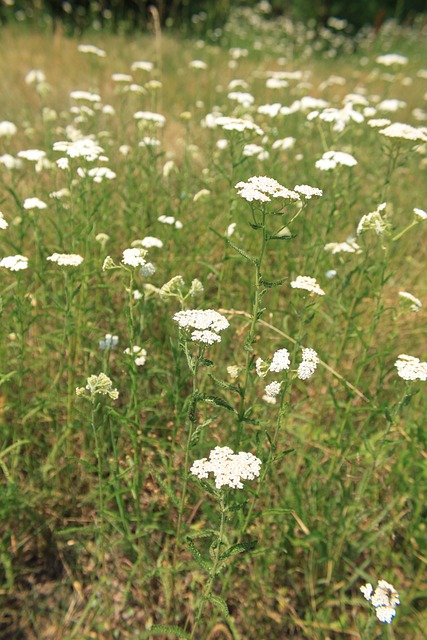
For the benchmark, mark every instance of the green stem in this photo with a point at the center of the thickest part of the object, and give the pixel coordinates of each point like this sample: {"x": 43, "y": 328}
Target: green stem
{"x": 215, "y": 566}
{"x": 192, "y": 415}
{"x": 100, "y": 488}
{"x": 256, "y": 312}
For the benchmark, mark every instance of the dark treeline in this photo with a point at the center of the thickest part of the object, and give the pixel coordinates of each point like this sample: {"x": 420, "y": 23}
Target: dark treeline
{"x": 130, "y": 15}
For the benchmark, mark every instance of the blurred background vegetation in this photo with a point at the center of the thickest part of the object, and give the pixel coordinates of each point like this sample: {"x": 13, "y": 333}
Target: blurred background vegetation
{"x": 77, "y": 16}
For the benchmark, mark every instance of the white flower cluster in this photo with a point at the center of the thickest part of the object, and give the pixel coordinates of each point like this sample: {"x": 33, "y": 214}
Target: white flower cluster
{"x": 14, "y": 263}
{"x": 171, "y": 221}
{"x": 281, "y": 361}
{"x": 413, "y": 303}
{"x": 420, "y": 213}
{"x": 385, "y": 599}
{"x": 411, "y": 368}
{"x": 238, "y": 124}
{"x": 33, "y": 155}
{"x": 144, "y": 65}
{"x": 273, "y": 389}
{"x": 3, "y": 222}
{"x": 307, "y": 191}
{"x": 98, "y": 385}
{"x": 340, "y": 117}
{"x": 228, "y": 468}
{"x": 139, "y": 352}
{"x": 7, "y": 129}
{"x": 155, "y": 119}
{"x": 263, "y": 189}
{"x": 81, "y": 148}
{"x": 373, "y": 221}
{"x": 134, "y": 257}
{"x": 66, "y": 259}
{"x": 349, "y": 246}
{"x": 389, "y": 59}
{"x": 331, "y": 159}
{"x": 85, "y": 95}
{"x": 149, "y": 242}
{"x": 404, "y": 131}
{"x": 307, "y": 283}
{"x": 34, "y": 203}
{"x": 309, "y": 363}
{"x": 98, "y": 174}
{"x": 206, "y": 324}
{"x": 10, "y": 162}
{"x": 90, "y": 48}
{"x": 109, "y": 342}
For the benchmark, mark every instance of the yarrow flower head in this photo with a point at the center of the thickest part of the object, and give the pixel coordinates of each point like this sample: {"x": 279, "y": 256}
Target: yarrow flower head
{"x": 420, "y": 213}
{"x": 307, "y": 191}
{"x": 228, "y": 468}
{"x": 238, "y": 124}
{"x": 281, "y": 361}
{"x": 85, "y": 147}
{"x": 206, "y": 324}
{"x": 273, "y": 389}
{"x": 98, "y": 385}
{"x": 374, "y": 221}
{"x": 411, "y": 301}
{"x": 90, "y": 48}
{"x": 307, "y": 283}
{"x": 331, "y": 159}
{"x": 66, "y": 259}
{"x": 411, "y": 368}
{"x": 173, "y": 288}
{"x": 389, "y": 59}
{"x": 134, "y": 257}
{"x": 308, "y": 365}
{"x": 108, "y": 342}
{"x": 349, "y": 246}
{"x": 199, "y": 319}
{"x": 3, "y": 222}
{"x": 149, "y": 242}
{"x": 34, "y": 203}
{"x": 14, "y": 263}
{"x": 404, "y": 131}
{"x": 7, "y": 129}
{"x": 263, "y": 189}
{"x": 139, "y": 354}
{"x": 385, "y": 599}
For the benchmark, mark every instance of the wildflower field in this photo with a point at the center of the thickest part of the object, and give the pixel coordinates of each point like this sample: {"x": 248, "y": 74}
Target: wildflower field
{"x": 213, "y": 333}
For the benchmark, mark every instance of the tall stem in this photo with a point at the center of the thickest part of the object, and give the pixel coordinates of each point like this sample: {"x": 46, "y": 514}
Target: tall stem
{"x": 256, "y": 311}
{"x": 208, "y": 588}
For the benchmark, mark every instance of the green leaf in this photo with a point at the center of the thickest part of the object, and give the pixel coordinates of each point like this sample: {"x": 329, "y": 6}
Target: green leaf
{"x": 242, "y": 253}
{"x": 206, "y": 566}
{"x": 87, "y": 465}
{"x": 207, "y": 487}
{"x": 239, "y": 547}
{"x": 206, "y": 362}
{"x": 196, "y": 435}
{"x": 237, "y": 507}
{"x": 170, "y": 494}
{"x": 283, "y": 454}
{"x": 219, "y": 402}
{"x": 220, "y": 604}
{"x": 7, "y": 376}
{"x": 224, "y": 385}
{"x": 274, "y": 283}
{"x": 168, "y": 630}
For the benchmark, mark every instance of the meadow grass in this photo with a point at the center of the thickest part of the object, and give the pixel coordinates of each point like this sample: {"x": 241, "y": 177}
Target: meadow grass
{"x": 106, "y": 532}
